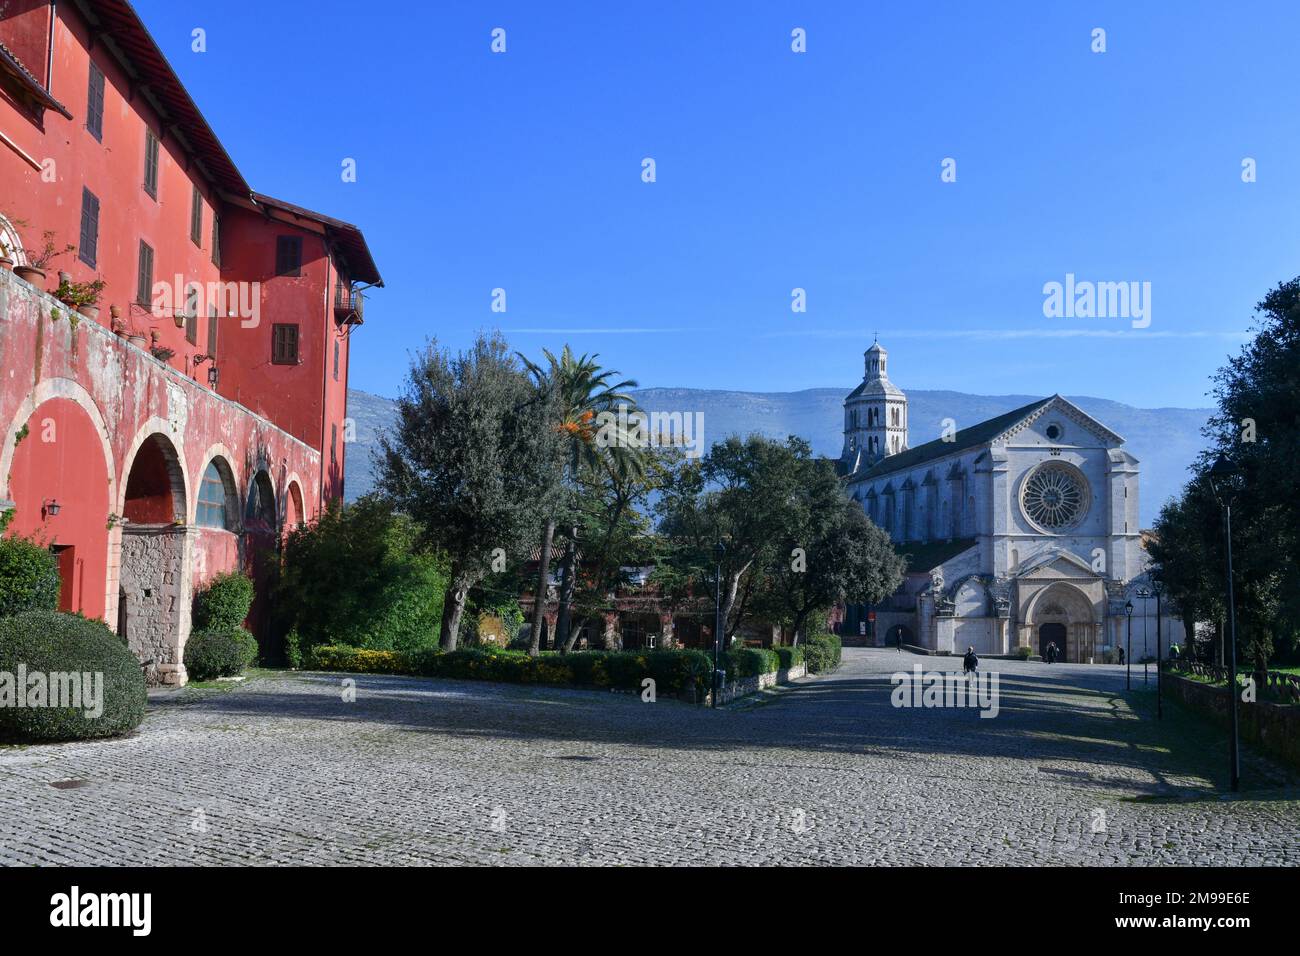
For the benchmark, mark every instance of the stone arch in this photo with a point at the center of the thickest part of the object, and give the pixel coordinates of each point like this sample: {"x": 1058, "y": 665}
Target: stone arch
{"x": 42, "y": 393}
{"x": 970, "y": 597}
{"x": 1062, "y": 606}
{"x": 261, "y": 512}
{"x": 12, "y": 241}
{"x": 157, "y": 434}
{"x": 56, "y": 464}
{"x": 294, "y": 512}
{"x": 221, "y": 456}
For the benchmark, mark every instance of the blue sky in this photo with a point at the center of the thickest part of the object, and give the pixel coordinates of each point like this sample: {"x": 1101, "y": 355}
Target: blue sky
{"x": 778, "y": 170}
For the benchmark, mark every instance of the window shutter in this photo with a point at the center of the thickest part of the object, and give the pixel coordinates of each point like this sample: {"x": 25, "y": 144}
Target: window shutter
{"x": 150, "y": 163}
{"x": 288, "y": 255}
{"x": 95, "y": 103}
{"x": 336, "y": 360}
{"x": 144, "y": 287}
{"x": 284, "y": 344}
{"x": 196, "y": 217}
{"x": 212, "y": 331}
{"x": 88, "y": 246}
{"x": 216, "y": 238}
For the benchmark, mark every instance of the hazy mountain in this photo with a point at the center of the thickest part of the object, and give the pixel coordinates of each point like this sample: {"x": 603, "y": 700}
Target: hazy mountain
{"x": 1164, "y": 440}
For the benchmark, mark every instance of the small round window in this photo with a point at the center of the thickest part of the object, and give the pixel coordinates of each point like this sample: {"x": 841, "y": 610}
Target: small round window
{"x": 1054, "y": 431}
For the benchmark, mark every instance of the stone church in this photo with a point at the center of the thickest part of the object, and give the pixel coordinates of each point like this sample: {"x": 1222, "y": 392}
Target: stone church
{"x": 1019, "y": 531}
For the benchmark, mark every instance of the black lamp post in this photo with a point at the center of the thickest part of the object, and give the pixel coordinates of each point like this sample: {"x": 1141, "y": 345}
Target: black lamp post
{"x": 1223, "y": 483}
{"x": 1145, "y": 594}
{"x": 719, "y": 552}
{"x": 1128, "y": 654}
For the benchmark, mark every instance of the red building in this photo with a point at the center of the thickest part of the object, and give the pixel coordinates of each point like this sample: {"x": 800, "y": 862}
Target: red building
{"x": 181, "y": 430}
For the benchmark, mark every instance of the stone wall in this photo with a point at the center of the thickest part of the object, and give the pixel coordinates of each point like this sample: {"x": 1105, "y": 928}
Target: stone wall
{"x": 734, "y": 690}
{"x": 153, "y": 582}
{"x": 1274, "y": 728}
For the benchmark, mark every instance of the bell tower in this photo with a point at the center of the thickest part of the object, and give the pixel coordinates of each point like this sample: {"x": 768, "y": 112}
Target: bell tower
{"x": 875, "y": 415}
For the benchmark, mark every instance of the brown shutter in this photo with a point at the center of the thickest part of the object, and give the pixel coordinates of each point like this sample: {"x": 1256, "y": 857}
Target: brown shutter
{"x": 88, "y": 247}
{"x": 144, "y": 279}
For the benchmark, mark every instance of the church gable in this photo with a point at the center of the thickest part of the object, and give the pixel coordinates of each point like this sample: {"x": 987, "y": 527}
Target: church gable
{"x": 1057, "y": 420}
{"x": 1058, "y": 565}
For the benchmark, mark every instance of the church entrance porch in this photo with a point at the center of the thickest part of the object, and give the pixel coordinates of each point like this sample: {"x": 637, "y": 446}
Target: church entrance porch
{"x": 1053, "y": 633}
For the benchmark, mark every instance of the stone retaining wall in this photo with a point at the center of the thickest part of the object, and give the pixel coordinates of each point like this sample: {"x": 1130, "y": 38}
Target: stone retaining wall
{"x": 734, "y": 690}
{"x": 1274, "y": 728}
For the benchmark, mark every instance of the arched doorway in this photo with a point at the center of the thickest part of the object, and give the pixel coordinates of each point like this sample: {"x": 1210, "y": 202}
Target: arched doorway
{"x": 59, "y": 476}
{"x": 154, "y": 577}
{"x": 263, "y": 549}
{"x": 896, "y": 633}
{"x": 1053, "y": 632}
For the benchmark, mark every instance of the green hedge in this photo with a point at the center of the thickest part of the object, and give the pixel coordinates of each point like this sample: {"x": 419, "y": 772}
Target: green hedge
{"x": 213, "y": 654}
{"x": 222, "y": 605}
{"x": 789, "y": 656}
{"x": 47, "y": 642}
{"x": 823, "y": 652}
{"x": 29, "y": 577}
{"x": 674, "y": 672}
{"x": 749, "y": 662}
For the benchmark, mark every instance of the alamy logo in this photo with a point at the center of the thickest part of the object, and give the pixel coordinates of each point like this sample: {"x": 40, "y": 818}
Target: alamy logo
{"x": 1098, "y": 300}
{"x": 235, "y": 300}
{"x": 59, "y": 689}
{"x": 103, "y": 909}
{"x": 627, "y": 429}
{"x": 946, "y": 689}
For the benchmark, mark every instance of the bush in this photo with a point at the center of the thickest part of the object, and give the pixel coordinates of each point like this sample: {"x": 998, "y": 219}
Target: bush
{"x": 674, "y": 672}
{"x": 823, "y": 653}
{"x": 789, "y": 656}
{"x": 222, "y": 605}
{"x": 356, "y": 578}
{"x": 293, "y": 649}
{"x": 48, "y": 642}
{"x": 1024, "y": 652}
{"x": 213, "y": 654}
{"x": 749, "y": 662}
{"x": 29, "y": 577}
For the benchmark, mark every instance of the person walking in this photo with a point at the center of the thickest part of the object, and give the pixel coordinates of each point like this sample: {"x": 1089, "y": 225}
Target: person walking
{"x": 1121, "y": 656}
{"x": 898, "y": 639}
{"x": 970, "y": 664}
{"x": 1051, "y": 652}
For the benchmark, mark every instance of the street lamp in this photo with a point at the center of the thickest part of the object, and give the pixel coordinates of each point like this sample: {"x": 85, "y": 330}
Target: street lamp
{"x": 1223, "y": 483}
{"x": 1128, "y": 654}
{"x": 1145, "y": 594}
{"x": 719, "y": 552}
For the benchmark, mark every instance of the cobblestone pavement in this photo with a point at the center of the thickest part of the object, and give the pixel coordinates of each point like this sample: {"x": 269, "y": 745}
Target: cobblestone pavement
{"x": 282, "y": 770}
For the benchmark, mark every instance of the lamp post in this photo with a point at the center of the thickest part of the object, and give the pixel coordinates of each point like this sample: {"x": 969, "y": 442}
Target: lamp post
{"x": 1156, "y": 588}
{"x": 1223, "y": 483}
{"x": 719, "y": 552}
{"x": 1145, "y": 594}
{"x": 1128, "y": 654}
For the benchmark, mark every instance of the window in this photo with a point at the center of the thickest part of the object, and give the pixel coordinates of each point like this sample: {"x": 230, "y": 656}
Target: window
{"x": 284, "y": 344}
{"x": 212, "y": 331}
{"x": 150, "y": 163}
{"x": 144, "y": 281}
{"x": 288, "y": 255}
{"x": 95, "y": 103}
{"x": 216, "y": 238}
{"x": 212, "y": 498}
{"x": 88, "y": 247}
{"x": 336, "y": 360}
{"x": 196, "y": 217}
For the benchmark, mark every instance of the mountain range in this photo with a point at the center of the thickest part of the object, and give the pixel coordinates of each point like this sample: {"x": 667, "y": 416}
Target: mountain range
{"x": 1165, "y": 440}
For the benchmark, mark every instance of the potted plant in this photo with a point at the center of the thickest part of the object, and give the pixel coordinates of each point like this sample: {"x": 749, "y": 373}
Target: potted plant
{"x": 82, "y": 296}
{"x": 137, "y": 338}
{"x": 34, "y": 271}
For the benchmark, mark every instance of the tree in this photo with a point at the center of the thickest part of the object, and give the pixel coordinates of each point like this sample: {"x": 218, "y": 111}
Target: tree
{"x": 471, "y": 460}
{"x": 832, "y": 554}
{"x": 744, "y": 494}
{"x": 580, "y": 390}
{"x": 356, "y": 577}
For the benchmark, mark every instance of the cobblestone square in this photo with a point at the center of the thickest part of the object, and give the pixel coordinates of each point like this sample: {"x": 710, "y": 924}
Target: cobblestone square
{"x": 282, "y": 770}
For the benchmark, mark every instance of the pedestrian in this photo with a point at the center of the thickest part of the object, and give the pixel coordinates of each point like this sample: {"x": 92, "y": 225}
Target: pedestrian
{"x": 1051, "y": 652}
{"x": 1173, "y": 652}
{"x": 898, "y": 639}
{"x": 970, "y": 664}
{"x": 1121, "y": 655}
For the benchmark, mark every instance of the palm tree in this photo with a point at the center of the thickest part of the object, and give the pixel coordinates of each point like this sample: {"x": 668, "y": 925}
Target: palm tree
{"x": 582, "y": 390}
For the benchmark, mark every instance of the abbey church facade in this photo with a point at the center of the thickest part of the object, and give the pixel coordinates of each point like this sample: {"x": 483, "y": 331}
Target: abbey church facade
{"x": 1021, "y": 530}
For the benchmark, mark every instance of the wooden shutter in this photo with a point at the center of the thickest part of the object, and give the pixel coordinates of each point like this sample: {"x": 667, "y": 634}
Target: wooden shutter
{"x": 95, "y": 103}
{"x": 144, "y": 279}
{"x": 288, "y": 255}
{"x": 336, "y": 360}
{"x": 212, "y": 331}
{"x": 196, "y": 217}
{"x": 284, "y": 344}
{"x": 216, "y": 238}
{"x": 88, "y": 246}
{"x": 150, "y": 163}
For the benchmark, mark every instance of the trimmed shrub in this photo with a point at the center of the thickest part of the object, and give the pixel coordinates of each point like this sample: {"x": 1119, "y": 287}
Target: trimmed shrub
{"x": 213, "y": 654}
{"x": 29, "y": 577}
{"x": 293, "y": 649}
{"x": 47, "y": 642}
{"x": 222, "y": 605}
{"x": 356, "y": 660}
{"x": 823, "y": 653}
{"x": 789, "y": 656}
{"x": 745, "y": 662}
{"x": 1024, "y": 652}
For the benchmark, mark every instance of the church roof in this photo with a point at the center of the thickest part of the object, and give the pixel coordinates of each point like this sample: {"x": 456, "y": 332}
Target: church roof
{"x": 961, "y": 441}
{"x": 931, "y": 554}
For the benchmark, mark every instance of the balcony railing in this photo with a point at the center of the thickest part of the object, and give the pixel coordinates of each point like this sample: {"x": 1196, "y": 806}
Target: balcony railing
{"x": 348, "y": 301}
